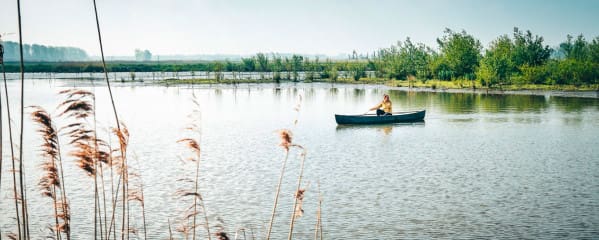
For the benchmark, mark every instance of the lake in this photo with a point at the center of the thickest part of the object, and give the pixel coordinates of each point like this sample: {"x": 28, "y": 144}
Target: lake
{"x": 480, "y": 166}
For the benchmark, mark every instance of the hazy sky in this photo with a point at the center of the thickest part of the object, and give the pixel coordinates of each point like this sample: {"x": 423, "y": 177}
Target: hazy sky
{"x": 324, "y": 26}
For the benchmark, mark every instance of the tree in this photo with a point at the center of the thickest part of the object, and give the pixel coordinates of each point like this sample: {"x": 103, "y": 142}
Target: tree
{"x": 594, "y": 50}
{"x": 577, "y": 50}
{"x": 461, "y": 52}
{"x": 496, "y": 66}
{"x": 143, "y": 55}
{"x": 249, "y": 64}
{"x": 529, "y": 50}
{"x": 296, "y": 65}
{"x": 262, "y": 60}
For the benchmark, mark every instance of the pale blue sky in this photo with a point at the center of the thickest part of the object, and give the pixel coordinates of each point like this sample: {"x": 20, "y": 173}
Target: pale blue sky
{"x": 310, "y": 27}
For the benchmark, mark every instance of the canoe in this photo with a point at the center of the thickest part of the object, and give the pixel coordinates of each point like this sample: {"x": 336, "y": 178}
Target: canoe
{"x": 397, "y": 117}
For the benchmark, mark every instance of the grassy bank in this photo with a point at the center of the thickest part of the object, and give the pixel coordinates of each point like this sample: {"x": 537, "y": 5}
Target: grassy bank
{"x": 431, "y": 84}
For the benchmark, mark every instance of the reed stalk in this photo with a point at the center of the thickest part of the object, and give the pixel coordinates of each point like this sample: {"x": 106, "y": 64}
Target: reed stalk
{"x": 22, "y": 180}
{"x": 124, "y": 177}
{"x": 64, "y": 201}
{"x": 1, "y": 135}
{"x": 170, "y": 232}
{"x": 12, "y": 156}
{"x": 318, "y": 228}
{"x": 194, "y": 146}
{"x": 50, "y": 183}
{"x": 285, "y": 143}
{"x": 299, "y": 194}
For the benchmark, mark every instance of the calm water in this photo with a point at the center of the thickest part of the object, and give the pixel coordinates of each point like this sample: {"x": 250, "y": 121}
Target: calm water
{"x": 481, "y": 166}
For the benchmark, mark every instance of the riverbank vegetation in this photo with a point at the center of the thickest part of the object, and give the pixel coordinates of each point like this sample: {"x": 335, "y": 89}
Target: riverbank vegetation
{"x": 519, "y": 61}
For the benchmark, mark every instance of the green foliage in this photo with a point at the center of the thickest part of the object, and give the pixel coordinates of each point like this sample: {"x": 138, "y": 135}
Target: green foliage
{"x": 531, "y": 75}
{"x": 577, "y": 50}
{"x": 401, "y": 60}
{"x": 249, "y": 64}
{"x": 262, "y": 60}
{"x": 572, "y": 71}
{"x": 594, "y": 50}
{"x": 460, "y": 52}
{"x": 496, "y": 67}
{"x": 522, "y": 60}
{"x": 357, "y": 70}
{"x": 529, "y": 50}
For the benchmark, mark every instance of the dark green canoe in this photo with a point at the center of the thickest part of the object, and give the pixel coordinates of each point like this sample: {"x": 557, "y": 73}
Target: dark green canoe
{"x": 397, "y": 117}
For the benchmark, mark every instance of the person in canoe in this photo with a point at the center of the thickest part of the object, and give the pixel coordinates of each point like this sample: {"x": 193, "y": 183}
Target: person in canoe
{"x": 384, "y": 108}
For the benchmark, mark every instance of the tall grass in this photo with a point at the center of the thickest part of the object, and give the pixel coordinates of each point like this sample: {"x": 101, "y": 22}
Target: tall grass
{"x": 191, "y": 212}
{"x": 14, "y": 171}
{"x": 52, "y": 182}
{"x": 92, "y": 155}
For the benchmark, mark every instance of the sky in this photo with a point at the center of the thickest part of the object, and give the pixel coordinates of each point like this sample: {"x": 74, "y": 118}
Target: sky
{"x": 332, "y": 27}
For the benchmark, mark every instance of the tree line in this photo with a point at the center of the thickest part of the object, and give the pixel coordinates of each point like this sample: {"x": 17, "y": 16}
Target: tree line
{"x": 42, "y": 53}
{"x": 522, "y": 58}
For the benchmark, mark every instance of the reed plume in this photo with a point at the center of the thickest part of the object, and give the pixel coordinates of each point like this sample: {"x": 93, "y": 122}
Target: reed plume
{"x": 120, "y": 163}
{"x": 50, "y": 182}
{"x": 286, "y": 142}
{"x": 137, "y": 195}
{"x": 88, "y": 150}
{"x": 193, "y": 144}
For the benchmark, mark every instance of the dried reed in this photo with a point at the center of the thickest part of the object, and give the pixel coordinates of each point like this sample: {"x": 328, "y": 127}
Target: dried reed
{"x": 286, "y": 142}
{"x": 51, "y": 182}
{"x": 299, "y": 193}
{"x": 193, "y": 144}
{"x": 13, "y": 158}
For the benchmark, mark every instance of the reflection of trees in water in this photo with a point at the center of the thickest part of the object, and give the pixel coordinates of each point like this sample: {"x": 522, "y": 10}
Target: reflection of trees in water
{"x": 512, "y": 103}
{"x": 354, "y": 95}
{"x": 457, "y": 102}
{"x": 569, "y": 105}
{"x": 309, "y": 93}
{"x": 492, "y": 103}
{"x": 403, "y": 100}
{"x": 333, "y": 91}
{"x": 359, "y": 93}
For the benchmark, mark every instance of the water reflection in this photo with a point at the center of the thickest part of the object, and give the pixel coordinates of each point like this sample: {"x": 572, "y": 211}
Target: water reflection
{"x": 386, "y": 129}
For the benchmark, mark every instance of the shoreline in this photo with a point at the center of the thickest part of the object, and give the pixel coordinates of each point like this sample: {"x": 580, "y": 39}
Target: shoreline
{"x": 390, "y": 85}
{"x": 534, "y": 92}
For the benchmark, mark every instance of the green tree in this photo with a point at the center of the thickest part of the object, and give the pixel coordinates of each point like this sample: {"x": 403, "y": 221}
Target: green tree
{"x": 461, "y": 51}
{"x": 296, "y": 65}
{"x": 496, "y": 66}
{"x": 262, "y": 60}
{"x": 529, "y": 50}
{"x": 249, "y": 64}
{"x": 594, "y": 50}
{"x": 577, "y": 50}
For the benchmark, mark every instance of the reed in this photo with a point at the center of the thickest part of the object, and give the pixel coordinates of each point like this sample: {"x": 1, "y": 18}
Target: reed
{"x": 299, "y": 193}
{"x": 13, "y": 158}
{"x": 318, "y": 227}
{"x": 193, "y": 144}
{"x": 51, "y": 184}
{"x": 1, "y": 135}
{"x": 92, "y": 154}
{"x": 25, "y": 218}
{"x": 286, "y": 142}
{"x": 137, "y": 195}
{"x": 89, "y": 151}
